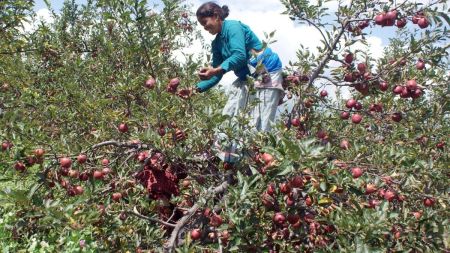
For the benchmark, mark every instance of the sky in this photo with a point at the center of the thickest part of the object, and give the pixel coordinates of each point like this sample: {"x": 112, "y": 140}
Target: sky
{"x": 265, "y": 16}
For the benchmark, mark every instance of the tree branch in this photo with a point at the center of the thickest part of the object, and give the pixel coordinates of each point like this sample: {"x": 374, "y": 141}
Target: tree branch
{"x": 172, "y": 244}
{"x": 137, "y": 214}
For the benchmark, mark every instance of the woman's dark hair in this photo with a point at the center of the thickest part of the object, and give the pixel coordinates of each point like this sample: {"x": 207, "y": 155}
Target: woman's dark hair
{"x": 210, "y": 9}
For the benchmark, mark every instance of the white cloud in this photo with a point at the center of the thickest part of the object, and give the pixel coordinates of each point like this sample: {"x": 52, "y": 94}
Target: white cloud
{"x": 43, "y": 15}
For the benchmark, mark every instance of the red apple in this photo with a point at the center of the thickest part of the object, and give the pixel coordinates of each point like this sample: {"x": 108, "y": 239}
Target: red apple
{"x": 349, "y": 58}
{"x": 78, "y": 189}
{"x": 279, "y": 218}
{"x": 267, "y": 158}
{"x": 297, "y": 182}
{"x": 428, "y": 202}
{"x": 356, "y": 118}
{"x": 389, "y": 195}
{"x": 39, "y": 152}
{"x": 370, "y": 188}
{"x": 345, "y": 115}
{"x": 358, "y": 106}
{"x": 293, "y": 218}
{"x": 396, "y": 116}
{"x": 295, "y": 122}
{"x": 401, "y": 22}
{"x": 19, "y": 166}
{"x": 98, "y": 174}
{"x": 196, "y": 234}
{"x": 361, "y": 67}
{"x": 65, "y": 162}
{"x": 383, "y": 86}
{"x": 391, "y": 14}
{"x": 379, "y": 19}
{"x": 420, "y": 65}
{"x": 398, "y": 89}
{"x": 73, "y": 173}
{"x": 105, "y": 162}
{"x": 411, "y": 84}
{"x": 81, "y": 158}
{"x": 150, "y": 83}
{"x": 123, "y": 128}
{"x": 285, "y": 188}
{"x": 271, "y": 189}
{"x": 415, "y": 19}
{"x": 423, "y": 22}
{"x": 350, "y": 103}
{"x": 323, "y": 93}
{"x": 117, "y": 196}
{"x": 215, "y": 220}
{"x": 348, "y": 77}
{"x": 357, "y": 172}
{"x": 308, "y": 201}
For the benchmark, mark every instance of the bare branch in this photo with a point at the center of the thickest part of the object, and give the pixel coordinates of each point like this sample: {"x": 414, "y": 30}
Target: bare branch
{"x": 172, "y": 244}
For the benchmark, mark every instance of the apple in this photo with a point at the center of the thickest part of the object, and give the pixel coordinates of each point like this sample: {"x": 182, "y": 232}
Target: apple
{"x": 285, "y": 188}
{"x": 411, "y": 84}
{"x": 78, "y": 189}
{"x": 297, "y": 182}
{"x": 195, "y": 234}
{"x": 423, "y": 22}
{"x": 356, "y": 172}
{"x": 348, "y": 77}
{"x": 106, "y": 170}
{"x": 350, "y": 103}
{"x": 215, "y": 220}
{"x": 440, "y": 145}
{"x": 391, "y": 14}
{"x": 65, "y": 162}
{"x": 349, "y": 58}
{"x": 150, "y": 83}
{"x": 345, "y": 144}
{"x": 323, "y": 93}
{"x": 5, "y": 146}
{"x": 321, "y": 134}
{"x": 84, "y": 176}
{"x": 295, "y": 122}
{"x": 401, "y": 23}
{"x": 123, "y": 128}
{"x": 309, "y": 102}
{"x": 81, "y": 158}
{"x": 379, "y": 19}
{"x": 417, "y": 215}
{"x": 356, "y": 118}
{"x": 398, "y": 89}
{"x": 39, "y": 152}
{"x": 370, "y": 188}
{"x": 186, "y": 183}
{"x": 396, "y": 116}
{"x": 293, "y": 218}
{"x": 415, "y": 19}
{"x": 308, "y": 201}
{"x": 373, "y": 203}
{"x": 358, "y": 106}
{"x": 361, "y": 67}
{"x": 105, "y": 162}
{"x": 271, "y": 189}
{"x": 428, "y": 202}
{"x": 345, "y": 115}
{"x": 389, "y": 195}
{"x": 117, "y": 196}
{"x": 279, "y": 218}
{"x": 161, "y": 131}
{"x": 383, "y": 86}
{"x": 73, "y": 173}
{"x": 267, "y": 158}
{"x": 19, "y": 166}
{"x": 98, "y": 175}
{"x": 420, "y": 65}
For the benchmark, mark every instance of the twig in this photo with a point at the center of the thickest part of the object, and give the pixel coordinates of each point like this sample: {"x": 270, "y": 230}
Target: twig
{"x": 137, "y": 214}
{"x": 172, "y": 244}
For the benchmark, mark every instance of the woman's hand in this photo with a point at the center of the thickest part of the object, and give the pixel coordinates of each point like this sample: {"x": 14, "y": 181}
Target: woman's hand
{"x": 208, "y": 72}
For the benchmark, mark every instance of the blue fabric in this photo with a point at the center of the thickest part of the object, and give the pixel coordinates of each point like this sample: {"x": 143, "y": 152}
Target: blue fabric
{"x": 231, "y": 50}
{"x": 269, "y": 59}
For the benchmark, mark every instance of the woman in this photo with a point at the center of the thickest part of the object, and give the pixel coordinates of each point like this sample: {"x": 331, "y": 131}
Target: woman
{"x": 234, "y": 47}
